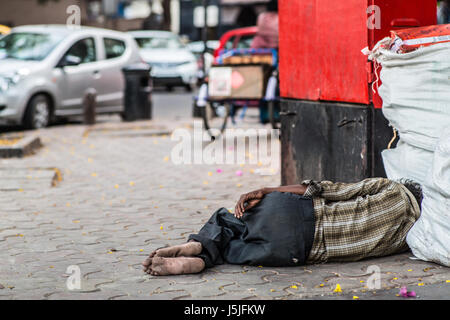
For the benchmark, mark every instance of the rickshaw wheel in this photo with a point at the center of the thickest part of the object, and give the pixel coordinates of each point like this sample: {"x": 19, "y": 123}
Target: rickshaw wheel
{"x": 215, "y": 117}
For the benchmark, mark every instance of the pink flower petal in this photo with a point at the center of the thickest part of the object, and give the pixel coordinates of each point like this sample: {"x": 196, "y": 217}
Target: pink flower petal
{"x": 407, "y": 294}
{"x": 239, "y": 173}
{"x": 412, "y": 294}
{"x": 403, "y": 292}
{"x": 219, "y": 170}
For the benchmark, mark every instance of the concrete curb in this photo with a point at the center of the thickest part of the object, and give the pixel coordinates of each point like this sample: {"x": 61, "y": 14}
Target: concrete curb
{"x": 24, "y": 147}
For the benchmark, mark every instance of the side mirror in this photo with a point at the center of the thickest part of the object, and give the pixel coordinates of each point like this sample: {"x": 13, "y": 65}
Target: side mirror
{"x": 69, "y": 61}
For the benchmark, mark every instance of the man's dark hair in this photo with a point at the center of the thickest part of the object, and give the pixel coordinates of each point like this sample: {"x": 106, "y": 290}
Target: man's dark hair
{"x": 272, "y": 6}
{"x": 414, "y": 188}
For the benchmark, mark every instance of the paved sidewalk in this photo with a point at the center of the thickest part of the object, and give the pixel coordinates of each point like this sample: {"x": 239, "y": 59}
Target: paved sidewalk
{"x": 122, "y": 197}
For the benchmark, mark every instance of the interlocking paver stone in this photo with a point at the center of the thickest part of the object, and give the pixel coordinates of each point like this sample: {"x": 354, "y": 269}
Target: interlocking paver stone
{"x": 122, "y": 197}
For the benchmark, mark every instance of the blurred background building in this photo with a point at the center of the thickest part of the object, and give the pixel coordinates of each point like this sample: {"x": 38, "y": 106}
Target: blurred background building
{"x": 184, "y": 17}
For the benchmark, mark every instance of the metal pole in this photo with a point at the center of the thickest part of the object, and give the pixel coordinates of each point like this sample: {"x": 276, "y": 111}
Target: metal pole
{"x": 205, "y": 35}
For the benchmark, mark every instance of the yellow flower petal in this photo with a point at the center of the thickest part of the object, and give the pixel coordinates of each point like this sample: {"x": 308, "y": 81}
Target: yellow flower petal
{"x": 355, "y": 297}
{"x": 338, "y": 288}
{"x": 294, "y": 287}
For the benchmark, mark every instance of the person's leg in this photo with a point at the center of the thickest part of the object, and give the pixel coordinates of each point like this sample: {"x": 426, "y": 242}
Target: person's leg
{"x": 161, "y": 266}
{"x": 189, "y": 249}
{"x": 208, "y": 244}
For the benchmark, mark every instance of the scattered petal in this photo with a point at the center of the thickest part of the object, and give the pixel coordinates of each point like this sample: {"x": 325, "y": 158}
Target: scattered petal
{"x": 116, "y": 186}
{"x": 210, "y": 173}
{"x": 239, "y": 173}
{"x": 219, "y": 170}
{"x": 131, "y": 183}
{"x": 294, "y": 287}
{"x": 93, "y": 174}
{"x": 406, "y": 294}
{"x": 355, "y": 297}
{"x": 338, "y": 288}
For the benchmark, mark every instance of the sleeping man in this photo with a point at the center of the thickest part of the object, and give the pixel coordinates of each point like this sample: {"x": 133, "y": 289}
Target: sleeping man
{"x": 310, "y": 223}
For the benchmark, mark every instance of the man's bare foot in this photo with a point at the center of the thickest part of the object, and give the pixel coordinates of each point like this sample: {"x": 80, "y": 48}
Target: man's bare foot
{"x": 161, "y": 266}
{"x": 147, "y": 263}
{"x": 189, "y": 249}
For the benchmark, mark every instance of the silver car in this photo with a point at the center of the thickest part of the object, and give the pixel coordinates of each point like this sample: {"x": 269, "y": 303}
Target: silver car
{"x": 46, "y": 70}
{"x": 173, "y": 64}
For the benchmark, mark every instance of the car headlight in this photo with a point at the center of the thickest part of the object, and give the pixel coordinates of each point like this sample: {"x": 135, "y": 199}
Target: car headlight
{"x": 6, "y": 82}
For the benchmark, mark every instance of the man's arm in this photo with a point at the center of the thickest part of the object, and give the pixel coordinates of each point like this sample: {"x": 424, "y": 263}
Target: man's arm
{"x": 339, "y": 191}
{"x": 296, "y": 189}
{"x": 251, "y": 199}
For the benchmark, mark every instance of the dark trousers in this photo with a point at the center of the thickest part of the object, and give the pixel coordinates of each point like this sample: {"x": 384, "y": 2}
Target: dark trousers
{"x": 279, "y": 231}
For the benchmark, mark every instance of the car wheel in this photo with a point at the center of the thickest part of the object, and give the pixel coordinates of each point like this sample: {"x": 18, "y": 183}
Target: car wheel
{"x": 37, "y": 114}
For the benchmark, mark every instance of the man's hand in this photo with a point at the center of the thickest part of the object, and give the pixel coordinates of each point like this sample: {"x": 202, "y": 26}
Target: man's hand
{"x": 248, "y": 201}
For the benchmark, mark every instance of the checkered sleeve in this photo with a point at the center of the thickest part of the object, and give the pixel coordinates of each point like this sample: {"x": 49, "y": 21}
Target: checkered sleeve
{"x": 313, "y": 188}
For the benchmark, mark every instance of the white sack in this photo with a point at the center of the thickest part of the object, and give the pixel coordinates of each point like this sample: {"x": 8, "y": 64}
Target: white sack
{"x": 416, "y": 100}
{"x": 406, "y": 161}
{"x": 429, "y": 238}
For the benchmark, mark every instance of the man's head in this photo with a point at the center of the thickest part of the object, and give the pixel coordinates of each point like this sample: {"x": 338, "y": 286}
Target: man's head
{"x": 414, "y": 188}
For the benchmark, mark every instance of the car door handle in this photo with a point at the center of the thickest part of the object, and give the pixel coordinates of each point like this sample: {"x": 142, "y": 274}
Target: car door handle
{"x": 96, "y": 74}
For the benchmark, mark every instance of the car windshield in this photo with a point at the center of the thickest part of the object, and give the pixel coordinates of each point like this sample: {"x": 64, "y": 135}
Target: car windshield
{"x": 159, "y": 43}
{"x": 28, "y": 46}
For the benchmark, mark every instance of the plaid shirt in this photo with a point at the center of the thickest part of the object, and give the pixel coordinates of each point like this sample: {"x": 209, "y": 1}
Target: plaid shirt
{"x": 359, "y": 220}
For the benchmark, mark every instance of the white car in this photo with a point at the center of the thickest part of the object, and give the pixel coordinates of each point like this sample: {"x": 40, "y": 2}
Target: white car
{"x": 46, "y": 70}
{"x": 173, "y": 64}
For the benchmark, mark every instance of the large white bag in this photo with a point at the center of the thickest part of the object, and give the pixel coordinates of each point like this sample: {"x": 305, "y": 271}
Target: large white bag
{"x": 429, "y": 238}
{"x": 407, "y": 161}
{"x": 416, "y": 100}
{"x": 416, "y": 93}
